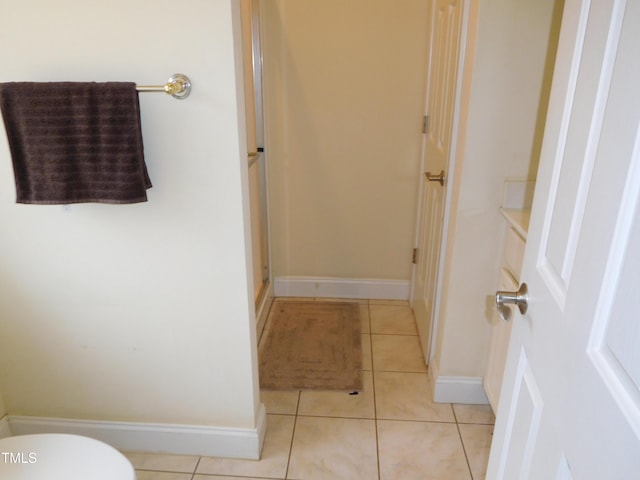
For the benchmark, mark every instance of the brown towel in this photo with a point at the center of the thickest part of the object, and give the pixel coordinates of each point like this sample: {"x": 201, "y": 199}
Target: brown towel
{"x": 75, "y": 142}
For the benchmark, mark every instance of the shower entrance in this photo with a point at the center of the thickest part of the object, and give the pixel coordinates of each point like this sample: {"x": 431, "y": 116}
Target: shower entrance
{"x": 256, "y": 158}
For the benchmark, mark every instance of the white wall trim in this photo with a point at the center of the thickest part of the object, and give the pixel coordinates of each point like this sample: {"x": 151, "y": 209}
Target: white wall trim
{"x": 5, "y": 431}
{"x": 154, "y": 437}
{"x": 456, "y": 389}
{"x": 341, "y": 288}
{"x": 262, "y": 312}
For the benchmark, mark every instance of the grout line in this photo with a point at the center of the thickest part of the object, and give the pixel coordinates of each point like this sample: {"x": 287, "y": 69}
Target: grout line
{"x": 411, "y": 420}
{"x": 337, "y": 417}
{"x": 193, "y": 475}
{"x": 298, "y": 402}
{"x": 464, "y": 450}
{"x": 373, "y": 392}
{"x": 293, "y": 434}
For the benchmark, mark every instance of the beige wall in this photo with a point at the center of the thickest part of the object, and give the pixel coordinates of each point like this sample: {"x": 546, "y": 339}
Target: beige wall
{"x": 136, "y": 312}
{"x": 344, "y": 115}
{"x": 501, "y": 142}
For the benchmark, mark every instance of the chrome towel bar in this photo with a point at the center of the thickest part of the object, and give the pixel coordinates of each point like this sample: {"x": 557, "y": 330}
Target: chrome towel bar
{"x": 178, "y": 86}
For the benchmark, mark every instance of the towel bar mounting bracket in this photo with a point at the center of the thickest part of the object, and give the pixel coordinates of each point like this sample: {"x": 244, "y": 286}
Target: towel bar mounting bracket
{"x": 178, "y": 86}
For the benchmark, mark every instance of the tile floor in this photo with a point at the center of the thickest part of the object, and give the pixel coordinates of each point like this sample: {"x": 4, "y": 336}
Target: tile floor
{"x": 390, "y": 431}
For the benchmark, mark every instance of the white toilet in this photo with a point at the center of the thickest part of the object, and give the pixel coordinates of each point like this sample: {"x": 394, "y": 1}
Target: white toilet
{"x": 54, "y": 456}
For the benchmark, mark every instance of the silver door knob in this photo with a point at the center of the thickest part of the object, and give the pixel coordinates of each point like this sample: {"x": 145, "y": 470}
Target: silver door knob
{"x": 519, "y": 298}
{"x": 435, "y": 178}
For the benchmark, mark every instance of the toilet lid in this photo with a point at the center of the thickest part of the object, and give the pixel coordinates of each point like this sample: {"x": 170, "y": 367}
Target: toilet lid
{"x": 61, "y": 457}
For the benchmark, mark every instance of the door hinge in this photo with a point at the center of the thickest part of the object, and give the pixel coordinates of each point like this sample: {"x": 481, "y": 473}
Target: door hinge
{"x": 414, "y": 256}
{"x": 425, "y": 124}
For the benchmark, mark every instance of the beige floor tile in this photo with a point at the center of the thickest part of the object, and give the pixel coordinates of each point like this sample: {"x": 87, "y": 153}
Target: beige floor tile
{"x": 421, "y": 451}
{"x": 481, "y": 414}
{"x": 393, "y": 319}
{"x": 333, "y": 448}
{"x": 364, "y": 319}
{"x": 275, "y": 454}
{"x": 339, "y": 404}
{"x": 397, "y": 353}
{"x": 280, "y": 402}
{"x": 163, "y": 462}
{"x": 147, "y": 475}
{"x": 367, "y": 361}
{"x": 477, "y": 442}
{"x": 218, "y": 477}
{"x": 407, "y": 396}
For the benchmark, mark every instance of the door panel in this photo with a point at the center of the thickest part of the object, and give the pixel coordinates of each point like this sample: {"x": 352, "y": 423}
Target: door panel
{"x": 571, "y": 179}
{"x": 524, "y": 421}
{"x": 616, "y": 334}
{"x": 427, "y": 262}
{"x": 446, "y": 26}
{"x": 580, "y": 335}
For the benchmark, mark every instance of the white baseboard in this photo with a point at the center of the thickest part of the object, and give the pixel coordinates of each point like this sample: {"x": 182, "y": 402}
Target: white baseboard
{"x": 456, "y": 389}
{"x": 152, "y": 437}
{"x": 341, "y": 288}
{"x": 262, "y": 312}
{"x": 5, "y": 431}
{"x": 492, "y": 396}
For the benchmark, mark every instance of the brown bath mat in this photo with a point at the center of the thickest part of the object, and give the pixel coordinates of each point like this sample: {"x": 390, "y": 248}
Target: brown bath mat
{"x": 312, "y": 345}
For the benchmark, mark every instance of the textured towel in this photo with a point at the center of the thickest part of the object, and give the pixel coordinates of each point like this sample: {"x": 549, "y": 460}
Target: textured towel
{"x": 75, "y": 142}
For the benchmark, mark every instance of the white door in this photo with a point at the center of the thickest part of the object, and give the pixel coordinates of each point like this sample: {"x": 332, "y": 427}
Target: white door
{"x": 570, "y": 402}
{"x": 446, "y": 29}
